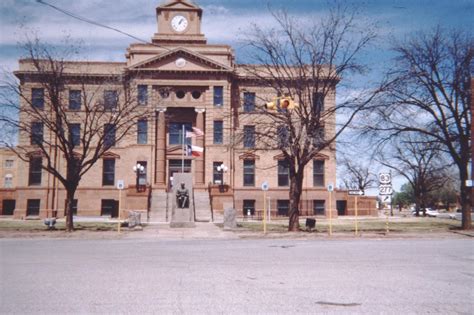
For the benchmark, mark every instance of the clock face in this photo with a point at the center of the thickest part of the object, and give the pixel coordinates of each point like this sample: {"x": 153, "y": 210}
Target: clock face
{"x": 179, "y": 23}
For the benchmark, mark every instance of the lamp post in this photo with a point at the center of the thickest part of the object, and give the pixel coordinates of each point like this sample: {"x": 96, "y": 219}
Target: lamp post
{"x": 222, "y": 169}
{"x": 138, "y": 169}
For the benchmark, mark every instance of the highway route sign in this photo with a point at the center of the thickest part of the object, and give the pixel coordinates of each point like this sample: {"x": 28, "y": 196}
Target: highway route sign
{"x": 385, "y": 189}
{"x": 385, "y": 178}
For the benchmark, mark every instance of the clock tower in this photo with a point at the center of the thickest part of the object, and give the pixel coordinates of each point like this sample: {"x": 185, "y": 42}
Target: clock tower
{"x": 179, "y": 21}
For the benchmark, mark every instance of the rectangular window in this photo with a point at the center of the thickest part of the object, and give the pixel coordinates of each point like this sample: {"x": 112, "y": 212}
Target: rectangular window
{"x": 109, "y": 135}
{"x": 249, "y": 102}
{"x": 319, "y": 137}
{"x": 318, "y": 173}
{"x": 75, "y": 99}
{"x": 283, "y": 207}
{"x": 319, "y": 207}
{"x": 282, "y": 136}
{"x": 109, "y": 207}
{"x": 176, "y": 166}
{"x": 34, "y": 175}
{"x": 33, "y": 207}
{"x": 142, "y": 131}
{"x": 218, "y": 96}
{"x": 283, "y": 173}
{"x": 318, "y": 102}
{"x": 8, "y": 181}
{"x": 9, "y": 206}
{"x": 176, "y": 133}
{"x": 108, "y": 172}
{"x": 218, "y": 176}
{"x": 75, "y": 134}
{"x": 36, "y": 133}
{"x": 142, "y": 175}
{"x": 218, "y": 132}
{"x": 249, "y": 207}
{"x": 249, "y": 173}
{"x": 143, "y": 95}
{"x": 9, "y": 163}
{"x": 37, "y": 98}
{"x": 110, "y": 99}
{"x": 249, "y": 136}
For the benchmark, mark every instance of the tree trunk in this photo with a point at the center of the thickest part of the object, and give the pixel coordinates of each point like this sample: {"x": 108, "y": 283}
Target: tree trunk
{"x": 465, "y": 201}
{"x": 296, "y": 187}
{"x": 69, "y": 214}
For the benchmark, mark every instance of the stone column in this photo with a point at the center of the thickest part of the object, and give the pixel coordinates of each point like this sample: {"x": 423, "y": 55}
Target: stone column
{"x": 199, "y": 161}
{"x": 160, "y": 165}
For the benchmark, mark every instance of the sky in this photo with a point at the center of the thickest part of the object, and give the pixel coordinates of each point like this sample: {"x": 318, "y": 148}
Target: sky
{"x": 224, "y": 22}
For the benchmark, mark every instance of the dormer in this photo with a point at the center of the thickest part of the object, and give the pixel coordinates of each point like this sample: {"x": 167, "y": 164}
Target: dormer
{"x": 179, "y": 21}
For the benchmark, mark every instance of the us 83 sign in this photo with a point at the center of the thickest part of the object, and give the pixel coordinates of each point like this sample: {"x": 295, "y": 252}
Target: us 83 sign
{"x": 385, "y": 190}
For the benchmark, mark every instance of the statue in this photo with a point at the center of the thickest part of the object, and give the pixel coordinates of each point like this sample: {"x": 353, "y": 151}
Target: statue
{"x": 182, "y": 197}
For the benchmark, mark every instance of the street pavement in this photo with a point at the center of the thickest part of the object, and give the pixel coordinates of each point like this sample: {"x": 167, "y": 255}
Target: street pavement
{"x": 217, "y": 276}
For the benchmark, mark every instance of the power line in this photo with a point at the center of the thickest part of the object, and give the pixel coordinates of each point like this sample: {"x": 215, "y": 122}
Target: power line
{"x": 83, "y": 19}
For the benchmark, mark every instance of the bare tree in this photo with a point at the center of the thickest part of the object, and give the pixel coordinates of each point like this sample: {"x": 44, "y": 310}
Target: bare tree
{"x": 305, "y": 60}
{"x": 53, "y": 122}
{"x": 420, "y": 163}
{"x": 429, "y": 95}
{"x": 357, "y": 174}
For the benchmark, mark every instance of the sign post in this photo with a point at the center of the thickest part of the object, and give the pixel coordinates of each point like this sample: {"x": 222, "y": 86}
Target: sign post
{"x": 356, "y": 193}
{"x": 330, "y": 190}
{"x": 120, "y": 186}
{"x": 265, "y": 188}
{"x": 385, "y": 192}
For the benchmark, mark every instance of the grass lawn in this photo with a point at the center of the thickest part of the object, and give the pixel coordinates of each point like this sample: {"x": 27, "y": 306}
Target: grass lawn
{"x": 372, "y": 225}
{"x": 38, "y": 226}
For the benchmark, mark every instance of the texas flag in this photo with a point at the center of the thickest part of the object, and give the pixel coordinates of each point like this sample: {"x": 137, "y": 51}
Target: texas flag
{"x": 195, "y": 133}
{"x": 192, "y": 150}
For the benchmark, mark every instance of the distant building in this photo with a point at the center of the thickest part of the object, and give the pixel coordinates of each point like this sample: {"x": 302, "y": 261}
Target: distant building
{"x": 189, "y": 83}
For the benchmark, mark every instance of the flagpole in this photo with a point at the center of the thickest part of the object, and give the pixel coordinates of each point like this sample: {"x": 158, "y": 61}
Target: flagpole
{"x": 184, "y": 148}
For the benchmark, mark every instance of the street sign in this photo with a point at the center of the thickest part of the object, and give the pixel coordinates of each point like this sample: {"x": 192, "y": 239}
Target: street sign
{"x": 330, "y": 187}
{"x": 385, "y": 189}
{"x": 356, "y": 192}
{"x": 386, "y": 198}
{"x": 120, "y": 184}
{"x": 265, "y": 186}
{"x": 385, "y": 178}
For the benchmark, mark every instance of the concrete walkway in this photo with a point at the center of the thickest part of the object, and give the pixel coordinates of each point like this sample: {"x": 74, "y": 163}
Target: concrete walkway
{"x": 164, "y": 231}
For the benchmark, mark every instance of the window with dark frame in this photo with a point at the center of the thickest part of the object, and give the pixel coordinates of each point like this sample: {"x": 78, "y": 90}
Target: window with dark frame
{"x": 109, "y": 207}
{"x": 249, "y": 172}
{"x": 318, "y": 173}
{"x": 75, "y": 134}
{"x": 218, "y": 96}
{"x": 318, "y": 102}
{"x": 108, "y": 172}
{"x": 37, "y": 98}
{"x": 249, "y": 102}
{"x": 110, "y": 99}
{"x": 142, "y": 175}
{"x": 36, "y": 133}
{"x": 142, "y": 95}
{"x": 9, "y": 206}
{"x": 282, "y": 136}
{"x": 319, "y": 207}
{"x": 249, "y": 205}
{"x": 217, "y": 176}
{"x": 249, "y": 136}
{"x": 176, "y": 132}
{"x": 218, "y": 132}
{"x": 142, "y": 131}
{"x": 75, "y": 99}
{"x": 283, "y": 207}
{"x": 283, "y": 173}
{"x": 33, "y": 207}
{"x": 109, "y": 135}
{"x": 74, "y": 207}
{"x": 35, "y": 171}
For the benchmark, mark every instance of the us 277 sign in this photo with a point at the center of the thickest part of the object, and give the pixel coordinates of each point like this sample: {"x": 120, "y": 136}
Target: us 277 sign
{"x": 385, "y": 189}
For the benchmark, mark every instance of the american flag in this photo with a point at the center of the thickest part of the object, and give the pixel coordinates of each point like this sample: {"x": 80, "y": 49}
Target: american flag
{"x": 195, "y": 133}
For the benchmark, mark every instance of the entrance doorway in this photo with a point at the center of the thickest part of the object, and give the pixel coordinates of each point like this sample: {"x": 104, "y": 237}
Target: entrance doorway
{"x": 341, "y": 206}
{"x": 177, "y": 166}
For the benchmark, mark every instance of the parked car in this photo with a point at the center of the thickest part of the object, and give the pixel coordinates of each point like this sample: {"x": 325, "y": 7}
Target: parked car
{"x": 456, "y": 215}
{"x": 429, "y": 212}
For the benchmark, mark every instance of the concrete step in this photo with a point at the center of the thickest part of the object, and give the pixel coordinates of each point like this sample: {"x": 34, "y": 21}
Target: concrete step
{"x": 202, "y": 206}
{"x": 159, "y": 204}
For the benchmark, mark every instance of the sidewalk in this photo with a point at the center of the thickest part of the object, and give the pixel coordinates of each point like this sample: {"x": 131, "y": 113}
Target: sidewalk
{"x": 163, "y": 231}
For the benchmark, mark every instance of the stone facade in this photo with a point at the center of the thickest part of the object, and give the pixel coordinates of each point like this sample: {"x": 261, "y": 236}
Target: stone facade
{"x": 186, "y": 81}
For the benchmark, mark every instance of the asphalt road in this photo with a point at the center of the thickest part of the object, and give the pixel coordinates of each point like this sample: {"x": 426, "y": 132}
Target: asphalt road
{"x": 236, "y": 276}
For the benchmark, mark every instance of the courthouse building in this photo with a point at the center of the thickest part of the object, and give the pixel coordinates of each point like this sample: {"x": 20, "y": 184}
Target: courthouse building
{"x": 188, "y": 83}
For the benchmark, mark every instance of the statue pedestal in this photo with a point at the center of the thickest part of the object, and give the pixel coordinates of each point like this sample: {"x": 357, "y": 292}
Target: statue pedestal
{"x": 182, "y": 217}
